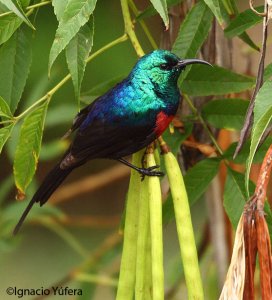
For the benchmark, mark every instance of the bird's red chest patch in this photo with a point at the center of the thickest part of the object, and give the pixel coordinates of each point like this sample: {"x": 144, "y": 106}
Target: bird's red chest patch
{"x": 162, "y": 121}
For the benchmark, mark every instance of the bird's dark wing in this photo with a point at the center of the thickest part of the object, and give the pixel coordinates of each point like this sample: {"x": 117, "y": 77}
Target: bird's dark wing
{"x": 103, "y": 140}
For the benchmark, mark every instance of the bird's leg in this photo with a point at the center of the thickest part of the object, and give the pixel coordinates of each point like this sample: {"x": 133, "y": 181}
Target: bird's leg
{"x": 143, "y": 171}
{"x": 143, "y": 160}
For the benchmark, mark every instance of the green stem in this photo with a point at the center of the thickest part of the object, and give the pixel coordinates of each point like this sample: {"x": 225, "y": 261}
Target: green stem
{"x": 127, "y": 276}
{"x": 155, "y": 209}
{"x": 50, "y": 93}
{"x": 143, "y": 25}
{"x": 30, "y": 7}
{"x": 7, "y": 121}
{"x": 184, "y": 228}
{"x": 129, "y": 28}
{"x": 202, "y": 121}
{"x": 142, "y": 243}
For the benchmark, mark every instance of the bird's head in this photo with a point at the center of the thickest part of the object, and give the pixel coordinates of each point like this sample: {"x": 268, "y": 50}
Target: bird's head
{"x": 162, "y": 66}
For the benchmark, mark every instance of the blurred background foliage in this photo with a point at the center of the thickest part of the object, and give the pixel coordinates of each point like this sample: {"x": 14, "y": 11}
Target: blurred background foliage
{"x": 73, "y": 240}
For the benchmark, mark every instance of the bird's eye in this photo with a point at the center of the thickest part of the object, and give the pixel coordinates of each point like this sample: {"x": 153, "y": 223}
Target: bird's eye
{"x": 165, "y": 67}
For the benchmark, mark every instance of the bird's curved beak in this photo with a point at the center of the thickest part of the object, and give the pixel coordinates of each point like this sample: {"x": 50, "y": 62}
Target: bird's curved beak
{"x": 184, "y": 62}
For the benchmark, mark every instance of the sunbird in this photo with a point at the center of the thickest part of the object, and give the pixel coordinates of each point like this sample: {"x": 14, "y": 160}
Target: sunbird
{"x": 126, "y": 119}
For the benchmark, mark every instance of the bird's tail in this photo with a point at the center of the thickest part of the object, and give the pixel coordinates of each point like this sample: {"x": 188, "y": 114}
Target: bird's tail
{"x": 53, "y": 179}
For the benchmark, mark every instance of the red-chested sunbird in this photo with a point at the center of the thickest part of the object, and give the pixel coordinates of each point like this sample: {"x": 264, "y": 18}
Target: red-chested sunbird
{"x": 124, "y": 120}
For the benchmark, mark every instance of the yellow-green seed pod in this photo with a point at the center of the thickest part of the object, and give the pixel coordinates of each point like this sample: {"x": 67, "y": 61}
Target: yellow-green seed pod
{"x": 184, "y": 228}
{"x": 155, "y": 208}
{"x": 126, "y": 281}
{"x": 141, "y": 286}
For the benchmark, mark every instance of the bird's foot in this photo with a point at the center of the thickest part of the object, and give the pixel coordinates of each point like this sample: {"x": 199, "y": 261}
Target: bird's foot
{"x": 150, "y": 172}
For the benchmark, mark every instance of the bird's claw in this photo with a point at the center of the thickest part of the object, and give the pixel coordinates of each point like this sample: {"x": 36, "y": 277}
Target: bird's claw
{"x": 150, "y": 172}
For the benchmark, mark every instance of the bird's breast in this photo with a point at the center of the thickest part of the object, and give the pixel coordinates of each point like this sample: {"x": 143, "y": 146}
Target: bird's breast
{"x": 162, "y": 122}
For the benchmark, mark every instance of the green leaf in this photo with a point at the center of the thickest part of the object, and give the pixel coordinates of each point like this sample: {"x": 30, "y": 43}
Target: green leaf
{"x": 161, "y": 8}
{"x": 5, "y": 133}
{"x": 15, "y": 7}
{"x": 9, "y": 23}
{"x": 59, "y": 8}
{"x": 203, "y": 81}
{"x": 242, "y": 22}
{"x": 268, "y": 72}
{"x": 193, "y": 32}
{"x": 225, "y": 113}
{"x": 198, "y": 178}
{"x": 262, "y": 118}
{"x": 4, "y": 109}
{"x": 174, "y": 140}
{"x": 235, "y": 195}
{"x": 214, "y": 6}
{"x": 77, "y": 52}
{"x": 15, "y": 60}
{"x": 76, "y": 14}
{"x": 28, "y": 148}
{"x": 151, "y": 11}
{"x": 244, "y": 153}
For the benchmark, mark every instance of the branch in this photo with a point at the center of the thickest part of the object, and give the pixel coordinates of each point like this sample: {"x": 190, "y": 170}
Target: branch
{"x": 50, "y": 93}
{"x": 259, "y": 82}
{"x": 129, "y": 29}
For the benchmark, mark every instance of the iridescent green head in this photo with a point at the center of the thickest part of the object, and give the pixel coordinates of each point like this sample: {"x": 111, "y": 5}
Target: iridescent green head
{"x": 162, "y": 66}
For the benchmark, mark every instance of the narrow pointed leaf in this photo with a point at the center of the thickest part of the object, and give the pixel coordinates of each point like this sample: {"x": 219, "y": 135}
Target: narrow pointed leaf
{"x": 5, "y": 133}
{"x": 214, "y": 6}
{"x": 244, "y": 153}
{"x": 234, "y": 196}
{"x": 203, "y": 81}
{"x": 247, "y": 39}
{"x": 161, "y": 8}
{"x": 4, "y": 108}
{"x": 15, "y": 7}
{"x": 76, "y": 14}
{"x": 199, "y": 177}
{"x": 28, "y": 148}
{"x": 9, "y": 23}
{"x": 59, "y": 8}
{"x": 15, "y": 60}
{"x": 151, "y": 11}
{"x": 225, "y": 113}
{"x": 193, "y": 31}
{"x": 262, "y": 118}
{"x": 268, "y": 72}
{"x": 77, "y": 52}
{"x": 242, "y": 22}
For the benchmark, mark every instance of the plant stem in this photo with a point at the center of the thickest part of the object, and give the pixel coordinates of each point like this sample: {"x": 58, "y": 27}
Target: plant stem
{"x": 198, "y": 115}
{"x": 127, "y": 276}
{"x": 129, "y": 29}
{"x": 50, "y": 93}
{"x": 30, "y": 7}
{"x": 155, "y": 209}
{"x": 143, "y": 25}
{"x": 184, "y": 228}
